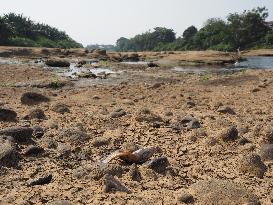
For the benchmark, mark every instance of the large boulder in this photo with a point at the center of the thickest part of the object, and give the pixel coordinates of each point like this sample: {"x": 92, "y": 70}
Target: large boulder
{"x": 7, "y": 114}
{"x": 9, "y": 157}
{"x": 60, "y": 108}
{"x": 19, "y": 134}
{"x": 253, "y": 165}
{"x": 221, "y": 192}
{"x": 57, "y": 63}
{"x": 267, "y": 152}
{"x": 35, "y": 113}
{"x": 32, "y": 98}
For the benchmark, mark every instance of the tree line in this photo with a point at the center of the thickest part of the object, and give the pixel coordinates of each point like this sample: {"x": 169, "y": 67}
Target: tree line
{"x": 18, "y": 30}
{"x": 245, "y": 30}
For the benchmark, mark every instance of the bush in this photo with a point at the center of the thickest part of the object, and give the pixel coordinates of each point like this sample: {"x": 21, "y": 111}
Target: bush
{"x": 24, "y": 42}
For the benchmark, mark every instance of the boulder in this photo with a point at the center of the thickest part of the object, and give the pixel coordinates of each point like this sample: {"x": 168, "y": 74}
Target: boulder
{"x": 73, "y": 136}
{"x": 119, "y": 112}
{"x": 19, "y": 134}
{"x": 57, "y": 63}
{"x": 7, "y": 114}
{"x": 229, "y": 134}
{"x": 111, "y": 184}
{"x": 9, "y": 157}
{"x": 32, "y": 98}
{"x": 226, "y": 110}
{"x": 35, "y": 113}
{"x": 60, "y": 108}
{"x": 145, "y": 115}
{"x": 267, "y": 152}
{"x": 252, "y": 164}
{"x": 222, "y": 192}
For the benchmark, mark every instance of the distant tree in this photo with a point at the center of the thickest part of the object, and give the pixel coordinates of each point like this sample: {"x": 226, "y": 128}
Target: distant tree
{"x": 248, "y": 27}
{"x": 189, "y": 32}
{"x": 5, "y": 31}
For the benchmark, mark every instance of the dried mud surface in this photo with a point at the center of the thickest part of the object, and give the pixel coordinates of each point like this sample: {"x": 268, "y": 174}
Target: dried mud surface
{"x": 204, "y": 168}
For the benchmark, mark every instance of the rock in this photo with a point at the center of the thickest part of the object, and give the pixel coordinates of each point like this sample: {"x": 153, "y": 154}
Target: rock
{"x": 7, "y": 114}
{"x": 60, "y": 202}
{"x": 156, "y": 85}
{"x": 38, "y": 131}
{"x": 9, "y": 157}
{"x": 111, "y": 184}
{"x": 97, "y": 171}
{"x": 190, "y": 104}
{"x": 152, "y": 65}
{"x": 267, "y": 152}
{"x": 134, "y": 173}
{"x": 255, "y": 90}
{"x": 35, "y": 113}
{"x": 252, "y": 164}
{"x": 31, "y": 98}
{"x": 159, "y": 164}
{"x": 88, "y": 74}
{"x": 46, "y": 179}
{"x": 243, "y": 141}
{"x": 229, "y": 134}
{"x": 117, "y": 113}
{"x": 145, "y": 115}
{"x": 63, "y": 150}
{"x": 100, "y": 142}
{"x": 57, "y": 63}
{"x": 226, "y": 110}
{"x": 130, "y": 147}
{"x": 131, "y": 57}
{"x": 20, "y": 134}
{"x": 33, "y": 150}
{"x": 268, "y": 138}
{"x": 221, "y": 192}
{"x": 188, "y": 122}
{"x": 73, "y": 135}
{"x": 100, "y": 51}
{"x": 185, "y": 198}
{"x": 60, "y": 108}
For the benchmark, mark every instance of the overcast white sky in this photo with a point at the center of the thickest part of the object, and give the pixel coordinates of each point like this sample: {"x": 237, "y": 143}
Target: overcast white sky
{"x": 104, "y": 21}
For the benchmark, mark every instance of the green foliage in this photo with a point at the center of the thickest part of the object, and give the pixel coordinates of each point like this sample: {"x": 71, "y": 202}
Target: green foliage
{"x": 18, "y": 30}
{"x": 21, "y": 41}
{"x": 245, "y": 30}
{"x": 146, "y": 41}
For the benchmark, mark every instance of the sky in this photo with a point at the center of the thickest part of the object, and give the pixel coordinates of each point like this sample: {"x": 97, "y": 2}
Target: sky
{"x": 104, "y": 21}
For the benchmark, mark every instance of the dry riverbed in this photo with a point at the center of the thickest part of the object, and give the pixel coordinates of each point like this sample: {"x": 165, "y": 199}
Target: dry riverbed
{"x": 215, "y": 133}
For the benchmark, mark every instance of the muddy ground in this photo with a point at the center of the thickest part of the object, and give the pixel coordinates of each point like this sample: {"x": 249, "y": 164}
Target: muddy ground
{"x": 221, "y": 153}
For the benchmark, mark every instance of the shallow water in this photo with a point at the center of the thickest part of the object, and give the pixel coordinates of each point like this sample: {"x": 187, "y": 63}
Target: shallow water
{"x": 257, "y": 62}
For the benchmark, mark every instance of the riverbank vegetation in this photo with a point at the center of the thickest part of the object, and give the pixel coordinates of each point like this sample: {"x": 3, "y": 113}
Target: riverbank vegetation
{"x": 246, "y": 30}
{"x": 18, "y": 30}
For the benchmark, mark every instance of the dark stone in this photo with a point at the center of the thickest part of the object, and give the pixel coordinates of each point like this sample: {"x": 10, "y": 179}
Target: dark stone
{"x": 33, "y": 150}
{"x": 9, "y": 157}
{"x": 73, "y": 135}
{"x": 46, "y": 179}
{"x": 194, "y": 124}
{"x": 36, "y": 113}
{"x": 100, "y": 142}
{"x": 117, "y": 113}
{"x": 156, "y": 124}
{"x": 111, "y": 184}
{"x": 191, "y": 104}
{"x": 252, "y": 164}
{"x": 57, "y": 63}
{"x": 7, "y": 114}
{"x": 60, "y": 108}
{"x": 19, "y": 134}
{"x": 38, "y": 131}
{"x": 188, "y": 122}
{"x": 267, "y": 152}
{"x": 185, "y": 198}
{"x": 159, "y": 164}
{"x": 63, "y": 150}
{"x": 31, "y": 98}
{"x": 226, "y": 110}
{"x": 229, "y": 134}
{"x": 269, "y": 135}
{"x": 243, "y": 141}
{"x": 145, "y": 115}
{"x": 134, "y": 173}
{"x": 152, "y": 65}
